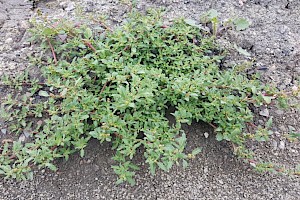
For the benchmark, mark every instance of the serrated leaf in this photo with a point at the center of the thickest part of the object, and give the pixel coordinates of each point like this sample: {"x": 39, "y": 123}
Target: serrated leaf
{"x": 43, "y": 93}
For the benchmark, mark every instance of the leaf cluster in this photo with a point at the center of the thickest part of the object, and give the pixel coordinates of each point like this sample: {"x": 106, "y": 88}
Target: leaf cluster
{"x": 116, "y": 86}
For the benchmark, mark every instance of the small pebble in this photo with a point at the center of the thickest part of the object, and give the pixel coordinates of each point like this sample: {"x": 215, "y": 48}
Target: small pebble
{"x": 291, "y": 128}
{"x": 274, "y": 144}
{"x": 4, "y": 131}
{"x": 206, "y": 134}
{"x": 88, "y": 161}
{"x": 281, "y": 145}
{"x": 9, "y": 41}
{"x": 294, "y": 88}
{"x": 205, "y": 170}
{"x": 70, "y": 7}
{"x": 22, "y": 138}
{"x": 264, "y": 112}
{"x": 26, "y": 133}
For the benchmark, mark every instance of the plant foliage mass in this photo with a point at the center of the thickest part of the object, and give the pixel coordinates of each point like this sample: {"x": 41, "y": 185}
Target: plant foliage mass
{"x": 116, "y": 86}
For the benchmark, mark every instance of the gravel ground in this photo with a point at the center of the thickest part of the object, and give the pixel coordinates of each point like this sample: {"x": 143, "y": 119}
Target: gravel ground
{"x": 272, "y": 39}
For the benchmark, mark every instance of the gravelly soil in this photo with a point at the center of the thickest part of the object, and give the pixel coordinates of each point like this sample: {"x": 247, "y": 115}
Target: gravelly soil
{"x": 273, "y": 40}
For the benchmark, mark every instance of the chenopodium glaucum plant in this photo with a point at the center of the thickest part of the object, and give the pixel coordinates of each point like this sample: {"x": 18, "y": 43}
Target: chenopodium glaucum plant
{"x": 116, "y": 86}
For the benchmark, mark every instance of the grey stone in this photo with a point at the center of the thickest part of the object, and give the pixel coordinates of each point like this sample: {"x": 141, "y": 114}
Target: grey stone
{"x": 264, "y": 112}
{"x": 4, "y": 131}
{"x": 70, "y": 6}
{"x": 206, "y": 135}
{"x": 274, "y": 144}
{"x": 291, "y": 128}
{"x": 281, "y": 145}
{"x": 9, "y": 41}
{"x": 22, "y": 138}
{"x": 205, "y": 170}
{"x": 26, "y": 133}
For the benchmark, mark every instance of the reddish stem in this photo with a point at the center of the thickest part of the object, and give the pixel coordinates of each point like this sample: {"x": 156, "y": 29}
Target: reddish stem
{"x": 90, "y": 46}
{"x": 52, "y": 50}
{"x": 104, "y": 86}
{"x": 212, "y": 125}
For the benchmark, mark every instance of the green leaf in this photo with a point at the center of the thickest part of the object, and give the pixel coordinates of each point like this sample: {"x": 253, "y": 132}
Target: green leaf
{"x": 190, "y": 22}
{"x": 162, "y": 166}
{"x": 134, "y": 167}
{"x": 181, "y": 140}
{"x": 294, "y": 135}
{"x": 29, "y": 175}
{"x": 51, "y": 166}
{"x": 241, "y": 24}
{"x": 43, "y": 93}
{"x": 81, "y": 153}
{"x": 219, "y": 137}
{"x": 88, "y": 33}
{"x": 152, "y": 168}
{"x": 241, "y": 50}
{"x": 267, "y": 99}
{"x": 184, "y": 164}
{"x": 64, "y": 92}
{"x": 213, "y": 13}
{"x": 48, "y": 32}
{"x": 119, "y": 181}
{"x": 269, "y": 122}
{"x": 131, "y": 181}
{"x": 194, "y": 23}
{"x": 196, "y": 151}
{"x": 254, "y": 89}
{"x": 81, "y": 45}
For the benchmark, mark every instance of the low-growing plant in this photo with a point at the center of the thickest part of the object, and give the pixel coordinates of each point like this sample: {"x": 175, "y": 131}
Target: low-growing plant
{"x": 116, "y": 86}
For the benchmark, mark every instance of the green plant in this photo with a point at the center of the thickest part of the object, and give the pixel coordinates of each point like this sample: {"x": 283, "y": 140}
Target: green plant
{"x": 116, "y": 86}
